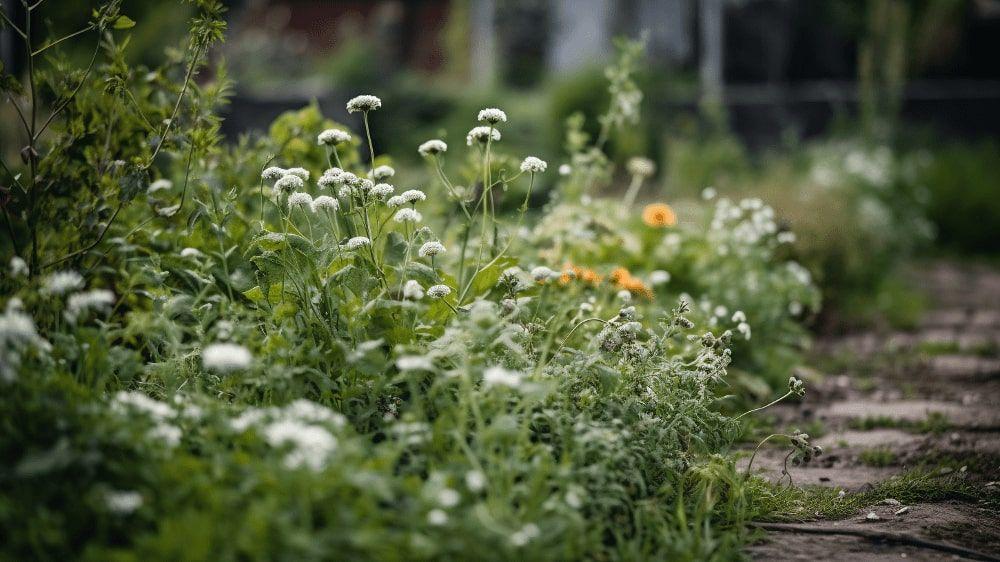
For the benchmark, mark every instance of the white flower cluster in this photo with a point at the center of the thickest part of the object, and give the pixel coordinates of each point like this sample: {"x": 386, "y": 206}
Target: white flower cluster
{"x": 533, "y": 165}
{"x": 79, "y": 303}
{"x": 640, "y": 166}
{"x": 431, "y": 248}
{"x": 739, "y": 227}
{"x": 300, "y": 199}
{"x": 226, "y": 357}
{"x": 325, "y": 203}
{"x": 432, "y": 147}
{"x": 500, "y": 376}
{"x": 364, "y": 103}
{"x": 492, "y": 116}
{"x": 159, "y": 413}
{"x": 62, "y": 282}
{"x": 482, "y": 135}
{"x": 357, "y": 242}
{"x": 438, "y": 291}
{"x": 381, "y": 173}
{"x": 302, "y": 426}
{"x": 17, "y": 335}
{"x": 333, "y": 137}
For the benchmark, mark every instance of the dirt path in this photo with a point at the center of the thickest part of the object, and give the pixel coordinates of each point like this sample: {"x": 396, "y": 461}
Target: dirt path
{"x": 895, "y": 405}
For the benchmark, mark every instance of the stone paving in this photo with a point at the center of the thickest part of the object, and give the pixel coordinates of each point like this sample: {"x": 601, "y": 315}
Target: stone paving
{"x": 925, "y": 399}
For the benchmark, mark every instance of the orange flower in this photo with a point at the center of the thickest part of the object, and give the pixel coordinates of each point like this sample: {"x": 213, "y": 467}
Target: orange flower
{"x": 659, "y": 215}
{"x": 623, "y": 279}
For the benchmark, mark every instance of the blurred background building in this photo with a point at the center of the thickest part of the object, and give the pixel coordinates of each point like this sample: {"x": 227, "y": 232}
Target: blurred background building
{"x": 767, "y": 70}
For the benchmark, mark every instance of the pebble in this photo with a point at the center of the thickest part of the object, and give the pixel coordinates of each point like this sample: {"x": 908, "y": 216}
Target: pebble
{"x": 872, "y": 516}
{"x": 902, "y": 510}
{"x": 890, "y": 501}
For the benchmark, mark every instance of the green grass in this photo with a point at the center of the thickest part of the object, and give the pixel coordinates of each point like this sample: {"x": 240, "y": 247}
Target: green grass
{"x": 935, "y": 422}
{"x": 878, "y": 457}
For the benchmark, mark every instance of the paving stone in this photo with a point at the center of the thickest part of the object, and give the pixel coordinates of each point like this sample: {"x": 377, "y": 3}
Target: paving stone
{"x": 962, "y": 366}
{"x": 913, "y": 411}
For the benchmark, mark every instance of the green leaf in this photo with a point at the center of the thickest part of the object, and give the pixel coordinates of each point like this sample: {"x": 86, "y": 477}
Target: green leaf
{"x": 487, "y": 277}
{"x": 395, "y": 248}
{"x": 132, "y": 184}
{"x": 123, "y": 22}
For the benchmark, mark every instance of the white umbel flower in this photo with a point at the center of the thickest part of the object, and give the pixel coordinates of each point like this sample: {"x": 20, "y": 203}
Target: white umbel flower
{"x": 395, "y": 201}
{"x": 413, "y": 291}
{"x": 62, "y": 282}
{"x": 534, "y": 165}
{"x": 438, "y": 291}
{"x": 325, "y": 202}
{"x": 301, "y": 173}
{"x": 330, "y": 178}
{"x": 659, "y": 277}
{"x": 333, "y": 137}
{"x": 408, "y": 215}
{"x": 413, "y": 195}
{"x": 432, "y": 147}
{"x": 383, "y": 173}
{"x": 437, "y": 517}
{"x": 475, "y": 480}
{"x": 289, "y": 184}
{"x": 481, "y": 135}
{"x": 300, "y": 199}
{"x": 499, "y": 376}
{"x": 357, "y": 242}
{"x": 542, "y": 274}
{"x": 79, "y": 303}
{"x": 642, "y": 167}
{"x": 161, "y": 184}
{"x": 225, "y": 357}
{"x": 492, "y": 116}
{"x": 311, "y": 445}
{"x": 363, "y": 103}
{"x": 382, "y": 190}
{"x": 123, "y": 502}
{"x": 431, "y": 248}
{"x": 272, "y": 173}
{"x": 18, "y": 267}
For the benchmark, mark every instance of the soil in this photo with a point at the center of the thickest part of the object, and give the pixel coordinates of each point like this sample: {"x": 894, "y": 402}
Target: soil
{"x": 927, "y": 399}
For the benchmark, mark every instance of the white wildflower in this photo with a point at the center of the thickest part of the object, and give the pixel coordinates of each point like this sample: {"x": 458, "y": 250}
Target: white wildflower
{"x": 659, "y": 277}
{"x": 624, "y": 295}
{"x": 311, "y": 445}
{"x": 363, "y": 103}
{"x": 18, "y": 267}
{"x": 534, "y": 165}
{"x": 382, "y": 190}
{"x": 301, "y": 173}
{"x": 325, "y": 202}
{"x": 432, "y": 147}
{"x": 62, "y": 282}
{"x": 481, "y": 135}
{"x": 357, "y": 242}
{"x": 492, "y": 116}
{"x": 437, "y": 517}
{"x": 289, "y": 184}
{"x": 273, "y": 173}
{"x": 412, "y": 290}
{"x": 499, "y": 376}
{"x": 448, "y": 497}
{"x": 525, "y": 535}
{"x": 191, "y": 253}
{"x": 413, "y": 195}
{"x": 408, "y": 215}
{"x": 330, "y": 178}
{"x": 565, "y": 170}
{"x": 786, "y": 237}
{"x": 333, "y": 137}
{"x": 138, "y": 401}
{"x": 709, "y": 193}
{"x": 225, "y": 357}
{"x": 475, "y": 480}
{"x": 161, "y": 184}
{"x": 414, "y": 363}
{"x": 300, "y": 199}
{"x": 438, "y": 291}
{"x": 739, "y": 316}
{"x": 542, "y": 274}
{"x": 431, "y": 248}
{"x": 640, "y": 166}
{"x": 744, "y": 329}
{"x": 795, "y": 308}
{"x": 395, "y": 201}
{"x": 383, "y": 173}
{"x": 79, "y": 303}
{"x": 123, "y": 502}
